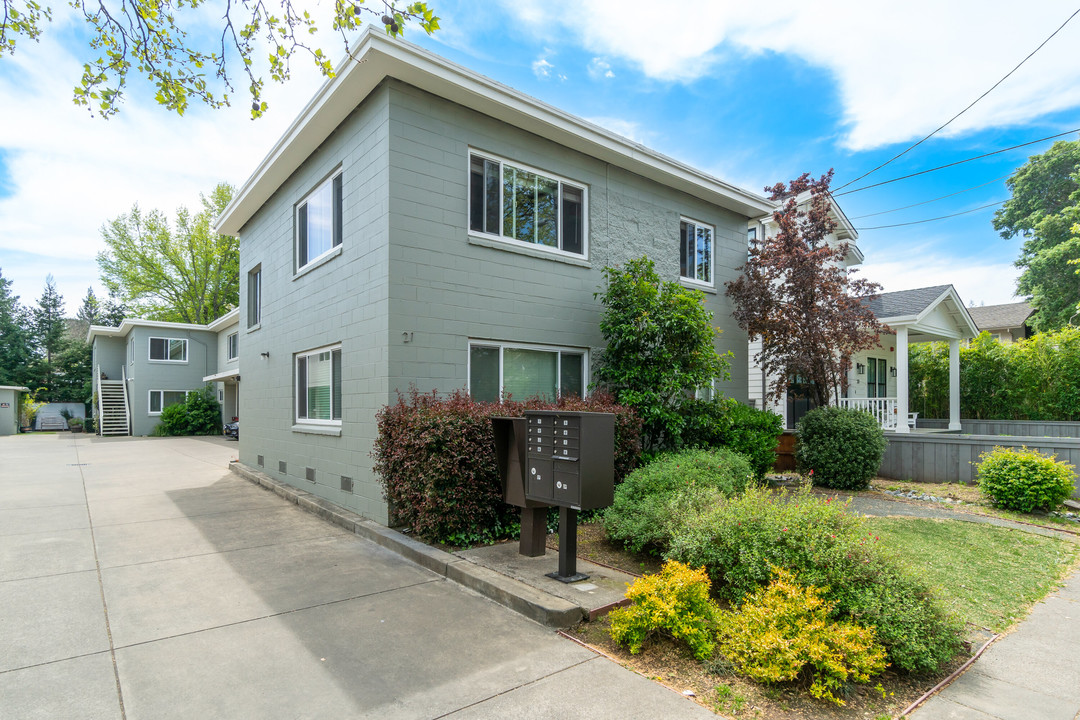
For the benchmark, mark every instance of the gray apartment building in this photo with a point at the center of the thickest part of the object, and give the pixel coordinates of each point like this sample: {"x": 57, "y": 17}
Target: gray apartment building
{"x": 422, "y": 225}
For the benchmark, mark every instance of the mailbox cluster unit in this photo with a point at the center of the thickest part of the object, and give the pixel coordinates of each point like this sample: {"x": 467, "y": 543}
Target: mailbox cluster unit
{"x": 570, "y": 458}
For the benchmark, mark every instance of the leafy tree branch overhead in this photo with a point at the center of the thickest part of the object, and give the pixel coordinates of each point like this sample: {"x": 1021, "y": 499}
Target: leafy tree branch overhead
{"x": 164, "y": 41}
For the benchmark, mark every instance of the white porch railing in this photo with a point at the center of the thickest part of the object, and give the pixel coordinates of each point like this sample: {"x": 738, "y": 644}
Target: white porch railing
{"x": 883, "y": 409}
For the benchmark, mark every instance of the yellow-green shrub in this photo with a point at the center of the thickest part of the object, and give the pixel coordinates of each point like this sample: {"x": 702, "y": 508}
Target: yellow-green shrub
{"x": 784, "y": 629}
{"x": 675, "y": 602}
{"x": 1024, "y": 480}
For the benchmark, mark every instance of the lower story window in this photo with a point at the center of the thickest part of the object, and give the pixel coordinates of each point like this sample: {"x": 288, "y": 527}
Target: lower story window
{"x": 318, "y": 386}
{"x": 497, "y": 370}
{"x": 161, "y": 399}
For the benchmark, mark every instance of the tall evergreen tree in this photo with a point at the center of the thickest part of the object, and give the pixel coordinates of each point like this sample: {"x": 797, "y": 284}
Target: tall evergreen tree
{"x": 48, "y": 321}
{"x": 15, "y": 350}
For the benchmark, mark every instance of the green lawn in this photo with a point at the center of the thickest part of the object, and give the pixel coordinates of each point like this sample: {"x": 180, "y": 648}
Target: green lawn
{"x": 987, "y": 575}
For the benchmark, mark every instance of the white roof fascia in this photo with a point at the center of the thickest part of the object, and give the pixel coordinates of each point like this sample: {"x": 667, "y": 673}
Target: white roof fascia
{"x": 233, "y": 316}
{"x": 16, "y": 388}
{"x": 951, "y": 294}
{"x": 129, "y": 323}
{"x": 378, "y": 57}
{"x": 223, "y": 375}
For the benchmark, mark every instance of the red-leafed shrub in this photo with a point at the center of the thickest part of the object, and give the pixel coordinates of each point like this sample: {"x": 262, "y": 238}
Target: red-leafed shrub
{"x": 435, "y": 457}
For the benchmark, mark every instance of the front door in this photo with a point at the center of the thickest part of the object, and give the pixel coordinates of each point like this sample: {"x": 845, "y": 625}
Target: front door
{"x": 876, "y": 377}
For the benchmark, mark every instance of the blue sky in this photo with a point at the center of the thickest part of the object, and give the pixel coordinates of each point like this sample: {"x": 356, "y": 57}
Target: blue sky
{"x": 750, "y": 93}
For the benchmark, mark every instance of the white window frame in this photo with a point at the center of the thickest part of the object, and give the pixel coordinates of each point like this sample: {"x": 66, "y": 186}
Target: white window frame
{"x": 502, "y": 346}
{"x": 711, "y": 284}
{"x": 150, "y": 394}
{"x": 514, "y": 242}
{"x": 169, "y": 340}
{"x": 254, "y": 309}
{"x": 296, "y": 387}
{"x": 335, "y": 248}
{"x": 232, "y": 346}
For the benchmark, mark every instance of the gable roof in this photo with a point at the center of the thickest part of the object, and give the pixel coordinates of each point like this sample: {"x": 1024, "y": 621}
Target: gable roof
{"x": 912, "y": 309}
{"x": 905, "y": 303}
{"x": 377, "y": 57}
{"x": 1009, "y": 315}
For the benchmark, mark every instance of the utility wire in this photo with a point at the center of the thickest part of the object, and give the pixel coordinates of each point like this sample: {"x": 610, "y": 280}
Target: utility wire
{"x": 927, "y": 202}
{"x": 943, "y": 217}
{"x": 952, "y": 164}
{"x": 896, "y": 157}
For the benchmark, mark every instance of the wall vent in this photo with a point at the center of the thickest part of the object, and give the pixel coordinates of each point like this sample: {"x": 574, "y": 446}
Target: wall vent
{"x": 310, "y": 474}
{"x": 346, "y": 484}
{"x": 259, "y": 459}
{"x": 282, "y": 467}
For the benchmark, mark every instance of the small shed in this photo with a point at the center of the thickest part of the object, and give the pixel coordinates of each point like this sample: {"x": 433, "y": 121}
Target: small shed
{"x": 10, "y": 401}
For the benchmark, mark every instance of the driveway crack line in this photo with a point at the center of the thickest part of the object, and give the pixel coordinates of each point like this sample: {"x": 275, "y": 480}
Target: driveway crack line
{"x": 101, "y": 585}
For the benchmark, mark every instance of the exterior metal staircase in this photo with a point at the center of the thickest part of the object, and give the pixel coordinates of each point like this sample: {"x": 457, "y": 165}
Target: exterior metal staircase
{"x": 112, "y": 410}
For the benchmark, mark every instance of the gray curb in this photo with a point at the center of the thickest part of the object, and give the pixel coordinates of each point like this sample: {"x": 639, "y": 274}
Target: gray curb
{"x": 535, "y": 604}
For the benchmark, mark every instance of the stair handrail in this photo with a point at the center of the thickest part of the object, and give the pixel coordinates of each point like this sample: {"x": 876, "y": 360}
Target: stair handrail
{"x": 127, "y": 411}
{"x": 100, "y": 402}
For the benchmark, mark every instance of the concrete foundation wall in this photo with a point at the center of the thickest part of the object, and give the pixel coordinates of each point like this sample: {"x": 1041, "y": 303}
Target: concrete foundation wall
{"x": 953, "y": 458}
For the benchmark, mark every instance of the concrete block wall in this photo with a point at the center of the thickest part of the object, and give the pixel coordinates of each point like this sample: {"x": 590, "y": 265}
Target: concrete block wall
{"x": 447, "y": 287}
{"x": 343, "y": 300}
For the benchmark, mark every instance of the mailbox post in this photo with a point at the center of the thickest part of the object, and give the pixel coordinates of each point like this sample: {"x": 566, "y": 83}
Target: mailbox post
{"x": 570, "y": 459}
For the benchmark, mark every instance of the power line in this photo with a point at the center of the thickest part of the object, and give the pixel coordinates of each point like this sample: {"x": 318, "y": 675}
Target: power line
{"x": 952, "y": 164}
{"x": 870, "y": 172}
{"x": 927, "y": 202}
{"x": 943, "y": 217}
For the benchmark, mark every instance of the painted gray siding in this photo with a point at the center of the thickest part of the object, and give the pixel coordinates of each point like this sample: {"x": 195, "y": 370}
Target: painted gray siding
{"x": 408, "y": 265}
{"x": 446, "y": 287}
{"x": 145, "y": 375}
{"x": 109, "y": 354}
{"x": 9, "y": 416}
{"x": 343, "y": 300}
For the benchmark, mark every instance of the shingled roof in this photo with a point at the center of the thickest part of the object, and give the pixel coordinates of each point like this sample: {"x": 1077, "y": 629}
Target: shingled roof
{"x": 905, "y": 303}
{"x": 994, "y": 317}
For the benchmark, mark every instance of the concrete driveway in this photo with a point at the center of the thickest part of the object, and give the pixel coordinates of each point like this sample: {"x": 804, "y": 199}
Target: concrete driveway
{"x": 139, "y": 578}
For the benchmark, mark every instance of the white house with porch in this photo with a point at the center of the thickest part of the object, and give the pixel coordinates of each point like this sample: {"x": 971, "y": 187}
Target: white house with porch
{"x": 878, "y": 379}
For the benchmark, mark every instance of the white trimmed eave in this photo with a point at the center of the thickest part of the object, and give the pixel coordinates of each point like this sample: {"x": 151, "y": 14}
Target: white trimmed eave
{"x": 230, "y": 318}
{"x": 16, "y": 388}
{"x": 379, "y": 57}
{"x": 918, "y": 332}
{"x": 223, "y": 375}
{"x": 127, "y": 325}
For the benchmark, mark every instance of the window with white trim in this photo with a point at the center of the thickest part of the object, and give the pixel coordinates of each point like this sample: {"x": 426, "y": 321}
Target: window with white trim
{"x": 318, "y": 386}
{"x": 519, "y": 204}
{"x": 232, "y": 346}
{"x": 318, "y": 222}
{"x": 168, "y": 349}
{"x": 254, "y": 296}
{"x": 161, "y": 399}
{"x": 497, "y": 370}
{"x": 695, "y": 251}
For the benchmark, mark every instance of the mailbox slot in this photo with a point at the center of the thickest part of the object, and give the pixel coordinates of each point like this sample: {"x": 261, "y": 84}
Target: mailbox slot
{"x": 571, "y": 458}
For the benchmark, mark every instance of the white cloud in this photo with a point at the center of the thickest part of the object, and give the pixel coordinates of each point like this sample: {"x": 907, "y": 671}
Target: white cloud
{"x": 599, "y": 68}
{"x": 542, "y": 68}
{"x": 901, "y": 69}
{"x": 975, "y": 279}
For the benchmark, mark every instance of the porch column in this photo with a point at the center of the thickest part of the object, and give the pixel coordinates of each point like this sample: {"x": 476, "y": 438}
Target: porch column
{"x": 954, "y": 384}
{"x": 901, "y": 381}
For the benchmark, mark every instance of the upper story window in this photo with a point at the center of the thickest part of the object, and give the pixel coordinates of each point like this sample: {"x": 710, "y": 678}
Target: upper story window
{"x": 232, "y": 346}
{"x": 695, "y": 252}
{"x": 318, "y": 222}
{"x": 168, "y": 349}
{"x": 525, "y": 371}
{"x": 318, "y": 386}
{"x": 519, "y": 204}
{"x": 254, "y": 296}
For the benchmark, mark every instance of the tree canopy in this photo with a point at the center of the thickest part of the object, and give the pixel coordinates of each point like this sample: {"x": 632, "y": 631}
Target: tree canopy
{"x": 167, "y": 42}
{"x": 659, "y": 349}
{"x": 796, "y": 294}
{"x": 1045, "y": 210}
{"x": 183, "y": 272}
{"x": 15, "y": 347}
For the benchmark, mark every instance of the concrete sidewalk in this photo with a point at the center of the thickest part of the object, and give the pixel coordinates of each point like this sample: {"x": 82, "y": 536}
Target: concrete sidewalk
{"x": 1030, "y": 674}
{"x": 139, "y": 578}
